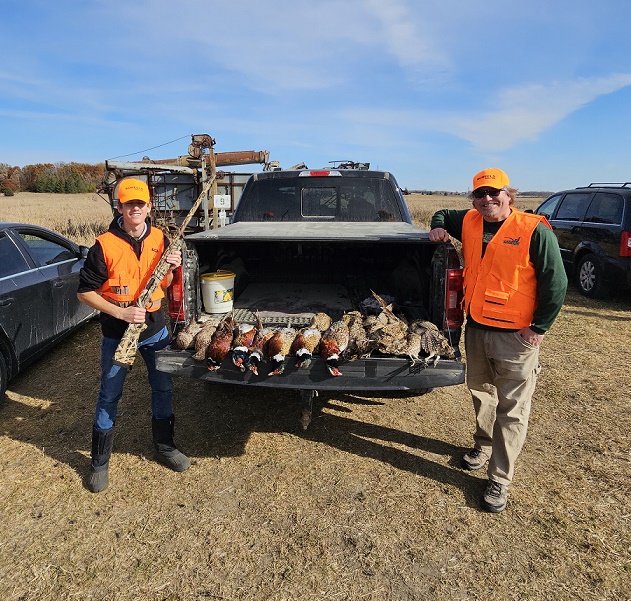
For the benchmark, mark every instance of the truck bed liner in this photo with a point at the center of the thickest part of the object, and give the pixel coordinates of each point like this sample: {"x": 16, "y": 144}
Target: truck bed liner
{"x": 300, "y": 302}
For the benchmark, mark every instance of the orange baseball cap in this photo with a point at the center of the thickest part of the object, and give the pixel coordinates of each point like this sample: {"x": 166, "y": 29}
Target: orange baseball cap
{"x": 491, "y": 178}
{"x": 133, "y": 189}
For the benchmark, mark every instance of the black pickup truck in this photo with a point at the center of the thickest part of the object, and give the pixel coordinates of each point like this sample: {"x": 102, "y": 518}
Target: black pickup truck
{"x": 307, "y": 241}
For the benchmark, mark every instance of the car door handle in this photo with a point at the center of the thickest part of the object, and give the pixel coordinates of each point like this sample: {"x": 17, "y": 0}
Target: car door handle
{"x": 58, "y": 284}
{"x": 5, "y": 302}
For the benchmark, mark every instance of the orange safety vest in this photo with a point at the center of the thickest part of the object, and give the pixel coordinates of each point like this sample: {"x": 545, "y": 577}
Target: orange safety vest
{"x": 500, "y": 289}
{"x": 128, "y": 275}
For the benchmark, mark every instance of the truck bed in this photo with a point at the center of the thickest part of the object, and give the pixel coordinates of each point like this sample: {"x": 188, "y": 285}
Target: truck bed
{"x": 288, "y": 271}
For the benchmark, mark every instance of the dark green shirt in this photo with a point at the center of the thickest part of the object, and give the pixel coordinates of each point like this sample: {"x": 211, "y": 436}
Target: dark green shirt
{"x": 544, "y": 256}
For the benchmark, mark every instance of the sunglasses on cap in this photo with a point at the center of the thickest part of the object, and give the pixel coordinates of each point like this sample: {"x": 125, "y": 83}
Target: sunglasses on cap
{"x": 484, "y": 192}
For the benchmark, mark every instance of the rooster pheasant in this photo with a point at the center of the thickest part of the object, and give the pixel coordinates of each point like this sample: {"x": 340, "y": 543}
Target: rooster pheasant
{"x": 258, "y": 350}
{"x": 220, "y": 343}
{"x": 278, "y": 348}
{"x": 333, "y": 344}
{"x": 308, "y": 339}
{"x": 305, "y": 344}
{"x": 244, "y": 335}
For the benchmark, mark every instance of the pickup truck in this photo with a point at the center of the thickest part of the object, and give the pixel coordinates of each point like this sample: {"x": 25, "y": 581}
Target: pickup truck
{"x": 305, "y": 241}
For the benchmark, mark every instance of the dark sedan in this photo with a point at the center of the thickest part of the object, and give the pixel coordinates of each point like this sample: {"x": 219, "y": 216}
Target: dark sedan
{"x": 39, "y": 275}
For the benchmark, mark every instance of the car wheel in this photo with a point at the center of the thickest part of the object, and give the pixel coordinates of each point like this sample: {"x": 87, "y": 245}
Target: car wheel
{"x": 589, "y": 277}
{"x": 4, "y": 376}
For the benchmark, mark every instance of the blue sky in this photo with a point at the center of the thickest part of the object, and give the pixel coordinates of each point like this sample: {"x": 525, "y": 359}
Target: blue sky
{"x": 432, "y": 91}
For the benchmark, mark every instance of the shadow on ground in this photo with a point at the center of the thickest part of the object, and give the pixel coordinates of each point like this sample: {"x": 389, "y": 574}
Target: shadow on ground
{"x": 50, "y": 406}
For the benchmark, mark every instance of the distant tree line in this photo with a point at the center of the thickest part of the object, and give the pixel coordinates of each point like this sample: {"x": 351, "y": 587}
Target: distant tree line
{"x": 67, "y": 178}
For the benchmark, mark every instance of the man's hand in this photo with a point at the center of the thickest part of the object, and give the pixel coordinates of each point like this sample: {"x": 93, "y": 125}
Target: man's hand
{"x": 530, "y": 336}
{"x": 438, "y": 234}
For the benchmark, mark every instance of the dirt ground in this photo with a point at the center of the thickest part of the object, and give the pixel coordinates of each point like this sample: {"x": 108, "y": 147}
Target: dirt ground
{"x": 369, "y": 503}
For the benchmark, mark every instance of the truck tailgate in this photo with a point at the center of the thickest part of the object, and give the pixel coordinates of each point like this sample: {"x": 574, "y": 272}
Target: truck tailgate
{"x": 374, "y": 373}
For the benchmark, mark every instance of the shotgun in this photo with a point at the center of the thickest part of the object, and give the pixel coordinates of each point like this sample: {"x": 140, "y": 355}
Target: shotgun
{"x": 126, "y": 350}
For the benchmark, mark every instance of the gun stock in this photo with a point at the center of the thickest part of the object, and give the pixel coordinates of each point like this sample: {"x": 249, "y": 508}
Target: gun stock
{"x": 125, "y": 353}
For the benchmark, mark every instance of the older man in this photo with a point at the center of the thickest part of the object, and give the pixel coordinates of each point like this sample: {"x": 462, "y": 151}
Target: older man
{"x": 515, "y": 284}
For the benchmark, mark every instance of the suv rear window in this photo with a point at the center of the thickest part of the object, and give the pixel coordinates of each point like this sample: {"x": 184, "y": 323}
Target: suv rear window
{"x": 605, "y": 208}
{"x": 574, "y": 206}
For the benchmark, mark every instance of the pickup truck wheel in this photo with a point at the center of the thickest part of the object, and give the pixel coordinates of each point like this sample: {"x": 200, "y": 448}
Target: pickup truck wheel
{"x": 590, "y": 278}
{"x": 4, "y": 377}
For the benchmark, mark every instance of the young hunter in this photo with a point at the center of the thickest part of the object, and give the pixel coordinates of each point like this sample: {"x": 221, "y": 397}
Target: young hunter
{"x": 115, "y": 272}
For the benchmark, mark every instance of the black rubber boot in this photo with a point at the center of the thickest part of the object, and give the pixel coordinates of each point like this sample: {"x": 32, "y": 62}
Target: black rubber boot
{"x": 102, "y": 441}
{"x": 165, "y": 451}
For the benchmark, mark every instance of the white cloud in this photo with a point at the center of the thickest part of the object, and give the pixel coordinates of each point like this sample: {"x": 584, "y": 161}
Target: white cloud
{"x": 406, "y": 35}
{"x": 525, "y": 112}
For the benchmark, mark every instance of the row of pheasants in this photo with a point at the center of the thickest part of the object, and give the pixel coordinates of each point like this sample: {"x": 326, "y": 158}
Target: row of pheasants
{"x": 351, "y": 337}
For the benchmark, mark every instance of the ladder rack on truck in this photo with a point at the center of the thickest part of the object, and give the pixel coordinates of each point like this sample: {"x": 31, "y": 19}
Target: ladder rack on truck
{"x": 175, "y": 183}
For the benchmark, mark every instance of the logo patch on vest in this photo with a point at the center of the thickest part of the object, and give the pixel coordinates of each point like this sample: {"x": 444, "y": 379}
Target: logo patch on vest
{"x": 512, "y": 241}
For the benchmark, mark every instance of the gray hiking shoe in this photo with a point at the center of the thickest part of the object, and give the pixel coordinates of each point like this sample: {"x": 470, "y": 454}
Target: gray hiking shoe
{"x": 495, "y": 497}
{"x": 474, "y": 459}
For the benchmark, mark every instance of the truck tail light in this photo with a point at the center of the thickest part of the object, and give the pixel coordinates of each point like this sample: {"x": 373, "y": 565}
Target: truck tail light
{"x": 320, "y": 173}
{"x": 175, "y": 296}
{"x": 625, "y": 244}
{"x": 453, "y": 299}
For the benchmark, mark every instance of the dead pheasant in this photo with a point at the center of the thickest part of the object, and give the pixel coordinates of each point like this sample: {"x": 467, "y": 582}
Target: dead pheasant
{"x": 203, "y": 338}
{"x": 186, "y": 336}
{"x": 305, "y": 344}
{"x": 390, "y": 332}
{"x": 359, "y": 344}
{"x": 258, "y": 350}
{"x": 432, "y": 341}
{"x": 308, "y": 339}
{"x": 278, "y": 348}
{"x": 333, "y": 344}
{"x": 244, "y": 335}
{"x": 321, "y": 321}
{"x": 373, "y": 323}
{"x": 220, "y": 343}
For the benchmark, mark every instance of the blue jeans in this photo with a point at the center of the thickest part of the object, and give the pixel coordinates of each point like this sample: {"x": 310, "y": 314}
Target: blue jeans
{"x": 113, "y": 378}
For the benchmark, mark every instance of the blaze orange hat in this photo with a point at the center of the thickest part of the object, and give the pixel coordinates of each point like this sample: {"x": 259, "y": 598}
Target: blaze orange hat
{"x": 133, "y": 189}
{"x": 491, "y": 178}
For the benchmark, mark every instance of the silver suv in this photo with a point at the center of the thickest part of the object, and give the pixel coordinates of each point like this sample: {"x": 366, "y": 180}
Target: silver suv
{"x": 593, "y": 227}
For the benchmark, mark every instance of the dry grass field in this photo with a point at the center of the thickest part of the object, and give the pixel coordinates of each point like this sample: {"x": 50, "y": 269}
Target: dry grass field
{"x": 368, "y": 504}
{"x": 80, "y": 217}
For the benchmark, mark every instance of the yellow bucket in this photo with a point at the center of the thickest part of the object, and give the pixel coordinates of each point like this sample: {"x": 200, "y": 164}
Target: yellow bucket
{"x": 217, "y": 291}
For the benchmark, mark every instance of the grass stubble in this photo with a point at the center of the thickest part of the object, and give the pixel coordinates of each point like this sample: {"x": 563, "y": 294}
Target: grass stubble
{"x": 369, "y": 503}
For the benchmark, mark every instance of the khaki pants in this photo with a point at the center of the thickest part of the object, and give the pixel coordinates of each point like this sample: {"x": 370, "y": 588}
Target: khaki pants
{"x": 502, "y": 371}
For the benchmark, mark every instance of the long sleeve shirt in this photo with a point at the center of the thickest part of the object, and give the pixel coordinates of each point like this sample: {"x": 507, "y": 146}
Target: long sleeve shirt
{"x": 544, "y": 255}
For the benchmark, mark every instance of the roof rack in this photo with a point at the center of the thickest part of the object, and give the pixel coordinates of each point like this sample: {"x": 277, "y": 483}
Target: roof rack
{"x": 609, "y": 185}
